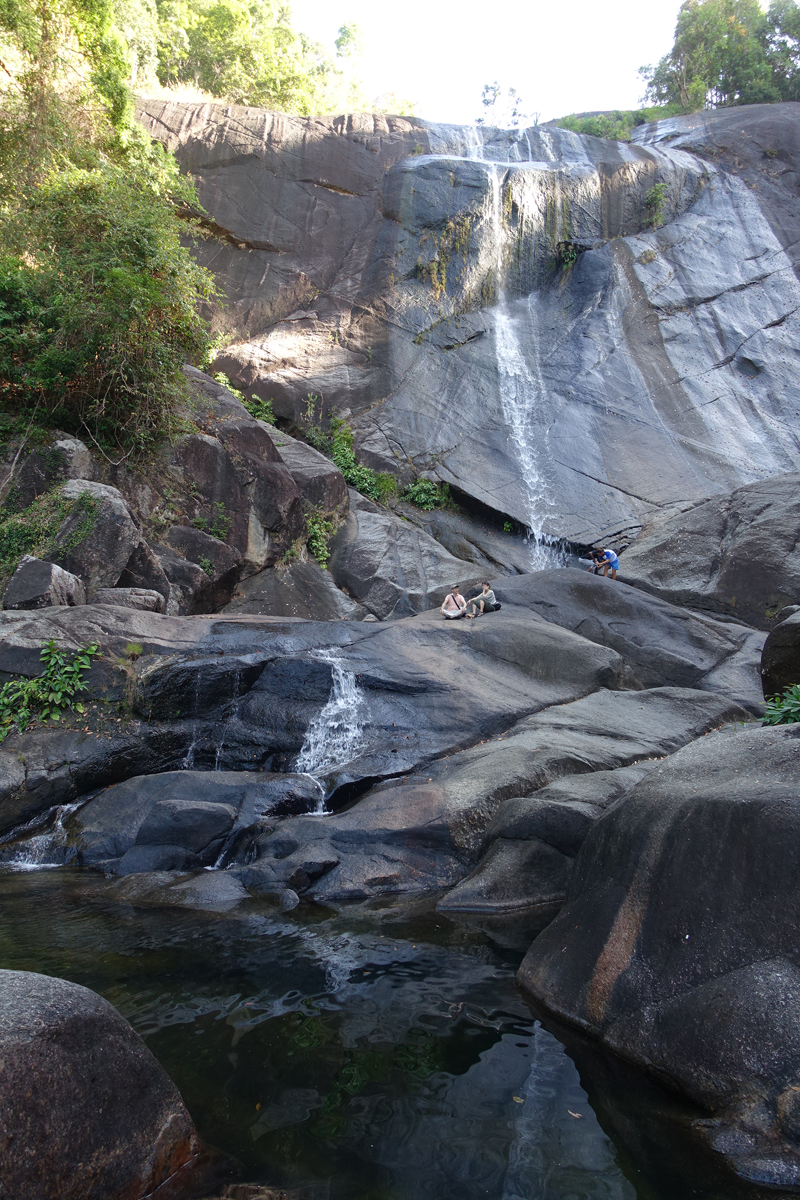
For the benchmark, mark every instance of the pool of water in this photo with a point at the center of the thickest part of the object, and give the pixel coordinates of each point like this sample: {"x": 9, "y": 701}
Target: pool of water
{"x": 358, "y": 1058}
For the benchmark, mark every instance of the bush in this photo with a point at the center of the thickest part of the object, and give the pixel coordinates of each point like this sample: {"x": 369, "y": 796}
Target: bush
{"x": 427, "y": 495}
{"x": 785, "y": 709}
{"x": 53, "y": 692}
{"x": 318, "y": 531}
{"x": 98, "y": 310}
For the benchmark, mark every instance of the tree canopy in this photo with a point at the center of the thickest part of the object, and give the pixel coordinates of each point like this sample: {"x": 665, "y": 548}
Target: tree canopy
{"x": 728, "y": 52}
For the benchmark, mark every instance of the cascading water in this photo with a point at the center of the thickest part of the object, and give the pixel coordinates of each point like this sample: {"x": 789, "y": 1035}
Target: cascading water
{"x": 26, "y": 850}
{"x": 335, "y": 736}
{"x": 520, "y": 389}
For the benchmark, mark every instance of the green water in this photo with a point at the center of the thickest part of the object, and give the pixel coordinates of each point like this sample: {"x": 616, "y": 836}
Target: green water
{"x": 352, "y": 1058}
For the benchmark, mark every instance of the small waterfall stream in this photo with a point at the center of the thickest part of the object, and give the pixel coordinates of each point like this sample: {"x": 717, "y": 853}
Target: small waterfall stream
{"x": 520, "y": 390}
{"x": 335, "y": 735}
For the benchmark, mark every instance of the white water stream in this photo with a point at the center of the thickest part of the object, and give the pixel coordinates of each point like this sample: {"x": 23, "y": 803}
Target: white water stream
{"x": 521, "y": 390}
{"x": 335, "y": 736}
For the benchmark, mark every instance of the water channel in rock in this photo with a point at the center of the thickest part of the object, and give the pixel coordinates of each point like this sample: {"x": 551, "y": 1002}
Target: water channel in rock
{"x": 359, "y": 1056}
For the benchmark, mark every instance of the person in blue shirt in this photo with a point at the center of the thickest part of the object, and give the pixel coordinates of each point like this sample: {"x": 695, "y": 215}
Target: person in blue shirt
{"x": 605, "y": 560}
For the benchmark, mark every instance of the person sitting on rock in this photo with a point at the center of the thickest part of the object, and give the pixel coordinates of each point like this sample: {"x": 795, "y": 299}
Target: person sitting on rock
{"x": 485, "y": 601}
{"x": 454, "y": 605}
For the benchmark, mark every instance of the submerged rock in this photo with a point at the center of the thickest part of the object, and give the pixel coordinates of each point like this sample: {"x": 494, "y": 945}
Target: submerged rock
{"x": 678, "y": 942}
{"x": 88, "y": 1113}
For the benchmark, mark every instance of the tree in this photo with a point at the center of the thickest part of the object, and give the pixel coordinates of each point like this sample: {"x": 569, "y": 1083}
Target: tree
{"x": 98, "y": 296}
{"x": 719, "y": 58}
{"x": 781, "y": 40}
{"x": 501, "y": 111}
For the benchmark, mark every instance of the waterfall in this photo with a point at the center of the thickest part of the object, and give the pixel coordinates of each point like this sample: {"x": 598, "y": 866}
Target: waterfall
{"x": 42, "y": 850}
{"x": 520, "y": 390}
{"x": 335, "y": 736}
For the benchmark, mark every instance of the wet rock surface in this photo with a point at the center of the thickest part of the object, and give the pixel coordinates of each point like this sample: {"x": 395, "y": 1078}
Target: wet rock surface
{"x": 88, "y": 1113}
{"x": 683, "y": 962}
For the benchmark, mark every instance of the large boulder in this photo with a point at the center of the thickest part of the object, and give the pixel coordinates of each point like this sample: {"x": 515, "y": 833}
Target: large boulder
{"x": 678, "y": 947}
{"x": 780, "y": 661}
{"x": 662, "y": 644}
{"x": 98, "y": 537}
{"x": 33, "y": 473}
{"x": 734, "y": 554}
{"x": 303, "y": 589}
{"x": 182, "y": 820}
{"x": 320, "y": 482}
{"x": 39, "y": 584}
{"x": 388, "y": 565}
{"x": 88, "y": 1113}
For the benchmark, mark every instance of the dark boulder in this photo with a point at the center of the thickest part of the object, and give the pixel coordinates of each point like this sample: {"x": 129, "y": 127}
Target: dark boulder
{"x": 181, "y": 820}
{"x": 97, "y": 539}
{"x": 88, "y": 1113}
{"x": 304, "y": 589}
{"x": 427, "y": 831}
{"x": 190, "y": 588}
{"x": 39, "y": 584}
{"x": 220, "y": 563}
{"x": 37, "y": 471}
{"x": 143, "y": 570}
{"x": 678, "y": 942}
{"x": 734, "y": 554}
{"x": 780, "y": 661}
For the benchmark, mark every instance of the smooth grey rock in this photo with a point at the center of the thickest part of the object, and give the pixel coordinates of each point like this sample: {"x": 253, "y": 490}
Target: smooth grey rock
{"x": 303, "y": 589}
{"x": 780, "y": 662}
{"x": 38, "y": 584}
{"x": 215, "y": 891}
{"x": 388, "y": 565}
{"x": 95, "y": 543}
{"x": 143, "y": 599}
{"x": 190, "y": 587}
{"x": 88, "y": 1113}
{"x": 220, "y": 563}
{"x": 735, "y": 554}
{"x": 662, "y": 643}
{"x": 661, "y": 363}
{"x": 678, "y": 942}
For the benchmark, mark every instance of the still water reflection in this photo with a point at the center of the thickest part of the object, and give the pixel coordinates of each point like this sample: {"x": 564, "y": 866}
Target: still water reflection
{"x": 351, "y": 1059}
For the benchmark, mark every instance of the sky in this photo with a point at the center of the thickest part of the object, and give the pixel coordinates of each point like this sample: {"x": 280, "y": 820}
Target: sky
{"x": 562, "y": 56}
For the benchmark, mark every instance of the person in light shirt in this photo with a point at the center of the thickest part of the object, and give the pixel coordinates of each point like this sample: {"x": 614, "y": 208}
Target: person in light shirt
{"x": 485, "y": 601}
{"x": 454, "y": 605}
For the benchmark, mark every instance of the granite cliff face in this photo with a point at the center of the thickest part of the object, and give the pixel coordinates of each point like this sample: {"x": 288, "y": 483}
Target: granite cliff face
{"x": 424, "y": 279}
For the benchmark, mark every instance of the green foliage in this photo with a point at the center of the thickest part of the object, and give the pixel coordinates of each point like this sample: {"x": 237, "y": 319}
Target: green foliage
{"x": 654, "y": 202}
{"x": 616, "y": 125}
{"x": 363, "y": 479}
{"x": 48, "y": 696}
{"x": 248, "y": 52}
{"x": 260, "y": 409}
{"x": 218, "y": 524}
{"x": 454, "y": 239}
{"x": 98, "y": 312}
{"x": 785, "y": 709}
{"x": 318, "y": 530}
{"x": 508, "y": 526}
{"x": 727, "y": 52}
{"x": 427, "y": 495}
{"x": 207, "y": 566}
{"x": 33, "y": 530}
